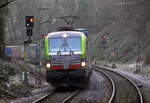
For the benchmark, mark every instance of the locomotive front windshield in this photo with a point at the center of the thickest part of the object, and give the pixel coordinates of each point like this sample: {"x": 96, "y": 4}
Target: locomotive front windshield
{"x": 55, "y": 44}
{"x": 65, "y": 44}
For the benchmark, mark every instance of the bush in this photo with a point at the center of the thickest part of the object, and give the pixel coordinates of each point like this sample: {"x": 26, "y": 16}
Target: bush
{"x": 114, "y": 66}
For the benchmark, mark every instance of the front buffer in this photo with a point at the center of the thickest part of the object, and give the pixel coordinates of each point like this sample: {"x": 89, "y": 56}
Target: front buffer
{"x": 67, "y": 77}
{"x": 73, "y": 72}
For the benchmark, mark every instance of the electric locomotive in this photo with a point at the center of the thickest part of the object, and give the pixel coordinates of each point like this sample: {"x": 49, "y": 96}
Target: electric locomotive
{"x": 67, "y": 59}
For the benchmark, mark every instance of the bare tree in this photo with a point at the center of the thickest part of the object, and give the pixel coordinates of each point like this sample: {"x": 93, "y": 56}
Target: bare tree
{"x": 2, "y": 27}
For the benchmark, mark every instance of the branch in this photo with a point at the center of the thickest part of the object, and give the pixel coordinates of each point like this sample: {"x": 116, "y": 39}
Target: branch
{"x": 4, "y": 5}
{"x": 129, "y": 3}
{"x": 44, "y": 22}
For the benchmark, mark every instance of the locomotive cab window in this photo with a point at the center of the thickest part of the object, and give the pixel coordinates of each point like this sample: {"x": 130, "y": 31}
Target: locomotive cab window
{"x": 55, "y": 46}
{"x": 74, "y": 44}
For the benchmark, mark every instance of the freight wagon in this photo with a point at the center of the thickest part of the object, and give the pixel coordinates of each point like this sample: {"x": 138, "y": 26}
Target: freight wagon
{"x": 15, "y": 51}
{"x": 19, "y": 52}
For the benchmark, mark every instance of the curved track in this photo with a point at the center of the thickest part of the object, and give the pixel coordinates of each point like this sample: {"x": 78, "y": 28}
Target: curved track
{"x": 112, "y": 84}
{"x": 126, "y": 90}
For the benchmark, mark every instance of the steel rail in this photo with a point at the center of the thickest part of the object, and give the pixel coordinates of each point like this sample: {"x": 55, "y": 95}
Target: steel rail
{"x": 127, "y": 78}
{"x": 70, "y": 97}
{"x": 113, "y": 85}
{"x": 44, "y": 97}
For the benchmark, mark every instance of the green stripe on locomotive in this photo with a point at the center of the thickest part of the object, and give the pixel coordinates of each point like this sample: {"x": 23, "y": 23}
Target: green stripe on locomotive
{"x": 83, "y": 47}
{"x": 47, "y": 49}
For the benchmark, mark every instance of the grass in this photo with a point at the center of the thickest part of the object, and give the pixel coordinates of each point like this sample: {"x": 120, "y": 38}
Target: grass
{"x": 3, "y": 102}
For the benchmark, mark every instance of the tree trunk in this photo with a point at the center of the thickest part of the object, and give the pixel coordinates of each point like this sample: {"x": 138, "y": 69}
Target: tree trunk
{"x": 2, "y": 27}
{"x": 1, "y": 37}
{"x": 2, "y": 50}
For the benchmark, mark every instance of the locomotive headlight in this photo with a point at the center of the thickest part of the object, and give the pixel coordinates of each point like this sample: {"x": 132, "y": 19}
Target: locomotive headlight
{"x": 65, "y": 35}
{"x": 48, "y": 65}
{"x": 83, "y": 64}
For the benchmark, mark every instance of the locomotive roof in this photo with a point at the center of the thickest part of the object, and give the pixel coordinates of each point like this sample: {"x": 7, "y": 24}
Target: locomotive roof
{"x": 68, "y": 33}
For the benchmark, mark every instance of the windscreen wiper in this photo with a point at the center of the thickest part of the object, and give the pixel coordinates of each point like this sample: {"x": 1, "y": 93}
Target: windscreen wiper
{"x": 65, "y": 45}
{"x": 59, "y": 52}
{"x": 71, "y": 51}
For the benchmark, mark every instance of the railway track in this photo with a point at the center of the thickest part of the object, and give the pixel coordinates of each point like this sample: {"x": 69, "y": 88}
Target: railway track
{"x": 43, "y": 98}
{"x": 68, "y": 99}
{"x": 112, "y": 86}
{"x": 126, "y": 91}
{"x": 57, "y": 97}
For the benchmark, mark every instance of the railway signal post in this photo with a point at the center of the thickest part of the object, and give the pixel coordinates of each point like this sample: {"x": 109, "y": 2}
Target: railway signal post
{"x": 29, "y": 21}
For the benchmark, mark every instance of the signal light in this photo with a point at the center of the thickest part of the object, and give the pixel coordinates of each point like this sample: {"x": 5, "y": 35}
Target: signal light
{"x": 29, "y": 21}
{"x": 103, "y": 37}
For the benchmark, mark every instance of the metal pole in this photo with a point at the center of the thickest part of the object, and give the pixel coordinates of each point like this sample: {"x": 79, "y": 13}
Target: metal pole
{"x": 25, "y": 80}
{"x": 37, "y": 56}
{"x": 104, "y": 41}
{"x": 105, "y": 62}
{"x": 38, "y": 59}
{"x": 138, "y": 58}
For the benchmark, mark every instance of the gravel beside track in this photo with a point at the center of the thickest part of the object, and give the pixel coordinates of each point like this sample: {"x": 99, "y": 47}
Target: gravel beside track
{"x": 98, "y": 91}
